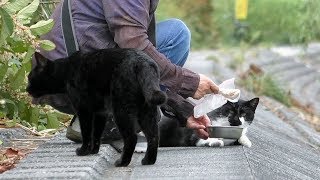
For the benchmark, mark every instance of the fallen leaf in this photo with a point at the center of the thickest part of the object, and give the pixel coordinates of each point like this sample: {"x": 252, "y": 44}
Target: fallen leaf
{"x": 9, "y": 158}
{"x": 3, "y": 158}
{"x": 6, "y": 167}
{"x": 11, "y": 152}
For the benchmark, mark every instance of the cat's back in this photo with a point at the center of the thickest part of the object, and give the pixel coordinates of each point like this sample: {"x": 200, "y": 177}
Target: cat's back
{"x": 112, "y": 57}
{"x": 102, "y": 65}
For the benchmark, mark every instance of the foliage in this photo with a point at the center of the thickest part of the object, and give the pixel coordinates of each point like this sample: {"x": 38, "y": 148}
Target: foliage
{"x": 266, "y": 85}
{"x": 212, "y": 22}
{"x": 197, "y": 16}
{"x": 18, "y": 41}
{"x": 270, "y": 21}
{"x": 284, "y": 21}
{"x": 46, "y": 8}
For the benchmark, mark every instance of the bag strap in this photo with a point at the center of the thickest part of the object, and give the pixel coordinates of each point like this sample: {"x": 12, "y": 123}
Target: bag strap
{"x": 70, "y": 40}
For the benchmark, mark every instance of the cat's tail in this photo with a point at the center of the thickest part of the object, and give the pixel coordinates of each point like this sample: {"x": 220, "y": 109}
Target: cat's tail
{"x": 149, "y": 80}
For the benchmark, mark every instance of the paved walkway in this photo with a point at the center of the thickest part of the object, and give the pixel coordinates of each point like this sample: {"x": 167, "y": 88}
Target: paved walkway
{"x": 284, "y": 147}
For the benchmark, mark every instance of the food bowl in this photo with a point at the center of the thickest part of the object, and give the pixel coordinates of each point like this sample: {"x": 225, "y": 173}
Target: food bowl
{"x": 227, "y": 132}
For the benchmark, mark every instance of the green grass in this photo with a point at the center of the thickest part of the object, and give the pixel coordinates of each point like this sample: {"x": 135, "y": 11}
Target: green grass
{"x": 270, "y": 21}
{"x": 268, "y": 86}
{"x": 213, "y": 58}
{"x": 197, "y": 16}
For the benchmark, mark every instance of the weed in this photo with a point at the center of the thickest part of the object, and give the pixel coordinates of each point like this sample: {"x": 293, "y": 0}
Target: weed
{"x": 266, "y": 85}
{"x": 238, "y": 56}
{"x": 212, "y": 23}
{"x": 213, "y": 58}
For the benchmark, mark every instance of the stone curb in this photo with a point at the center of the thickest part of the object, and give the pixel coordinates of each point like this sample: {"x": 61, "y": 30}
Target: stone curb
{"x": 57, "y": 159}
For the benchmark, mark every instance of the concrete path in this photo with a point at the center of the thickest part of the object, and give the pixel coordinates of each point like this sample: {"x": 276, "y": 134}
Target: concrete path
{"x": 284, "y": 147}
{"x": 299, "y": 71}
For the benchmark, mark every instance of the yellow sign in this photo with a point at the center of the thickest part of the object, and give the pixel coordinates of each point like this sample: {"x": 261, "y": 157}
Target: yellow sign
{"x": 241, "y": 9}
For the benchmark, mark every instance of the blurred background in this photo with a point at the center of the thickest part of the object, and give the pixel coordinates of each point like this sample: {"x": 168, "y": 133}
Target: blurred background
{"x": 216, "y": 23}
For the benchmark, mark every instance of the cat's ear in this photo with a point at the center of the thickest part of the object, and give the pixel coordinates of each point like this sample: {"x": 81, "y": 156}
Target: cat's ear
{"x": 254, "y": 102}
{"x": 40, "y": 60}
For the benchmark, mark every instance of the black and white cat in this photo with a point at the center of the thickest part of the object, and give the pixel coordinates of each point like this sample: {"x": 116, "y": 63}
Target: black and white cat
{"x": 119, "y": 82}
{"x": 240, "y": 113}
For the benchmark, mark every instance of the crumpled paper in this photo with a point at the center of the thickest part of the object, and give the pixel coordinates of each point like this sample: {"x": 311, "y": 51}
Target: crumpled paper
{"x": 227, "y": 92}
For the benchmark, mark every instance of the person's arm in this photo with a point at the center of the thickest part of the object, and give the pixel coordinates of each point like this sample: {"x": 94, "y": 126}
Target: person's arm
{"x": 128, "y": 21}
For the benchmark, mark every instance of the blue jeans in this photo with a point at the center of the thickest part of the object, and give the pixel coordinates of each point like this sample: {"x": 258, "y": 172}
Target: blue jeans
{"x": 173, "y": 40}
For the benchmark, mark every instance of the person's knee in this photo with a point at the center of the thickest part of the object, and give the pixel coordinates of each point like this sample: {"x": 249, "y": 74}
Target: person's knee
{"x": 182, "y": 31}
{"x": 173, "y": 40}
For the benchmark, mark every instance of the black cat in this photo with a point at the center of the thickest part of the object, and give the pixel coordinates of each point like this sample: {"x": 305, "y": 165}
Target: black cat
{"x": 122, "y": 82}
{"x": 240, "y": 113}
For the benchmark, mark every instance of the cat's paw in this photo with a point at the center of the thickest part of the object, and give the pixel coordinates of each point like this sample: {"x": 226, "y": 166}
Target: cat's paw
{"x": 210, "y": 142}
{"x": 244, "y": 140}
{"x": 216, "y": 143}
{"x": 120, "y": 163}
{"x": 82, "y": 151}
{"x": 147, "y": 161}
{"x": 95, "y": 150}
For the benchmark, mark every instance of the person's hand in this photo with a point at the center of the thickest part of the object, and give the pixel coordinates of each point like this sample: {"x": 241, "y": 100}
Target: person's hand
{"x": 199, "y": 124}
{"x": 206, "y": 86}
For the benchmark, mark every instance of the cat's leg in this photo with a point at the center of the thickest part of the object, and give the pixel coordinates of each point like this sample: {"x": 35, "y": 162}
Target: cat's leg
{"x": 210, "y": 142}
{"x": 148, "y": 121}
{"x": 82, "y": 105}
{"x": 85, "y": 117}
{"x": 99, "y": 122}
{"x": 244, "y": 140}
{"x": 125, "y": 123}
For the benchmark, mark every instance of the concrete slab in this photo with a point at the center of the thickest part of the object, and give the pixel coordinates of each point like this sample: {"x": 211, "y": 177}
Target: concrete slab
{"x": 278, "y": 152}
{"x": 189, "y": 163}
{"x": 57, "y": 160}
{"x": 284, "y": 147}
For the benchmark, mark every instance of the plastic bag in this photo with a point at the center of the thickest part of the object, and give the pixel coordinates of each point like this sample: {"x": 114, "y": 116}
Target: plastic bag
{"x": 227, "y": 92}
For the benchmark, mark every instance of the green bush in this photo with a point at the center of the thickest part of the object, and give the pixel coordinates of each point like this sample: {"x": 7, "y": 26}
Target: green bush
{"x": 212, "y": 22}
{"x": 18, "y": 41}
{"x": 197, "y": 16}
{"x": 270, "y": 21}
{"x": 284, "y": 21}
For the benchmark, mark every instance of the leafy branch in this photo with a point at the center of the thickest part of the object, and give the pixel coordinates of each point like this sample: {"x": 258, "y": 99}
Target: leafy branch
{"x": 19, "y": 39}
